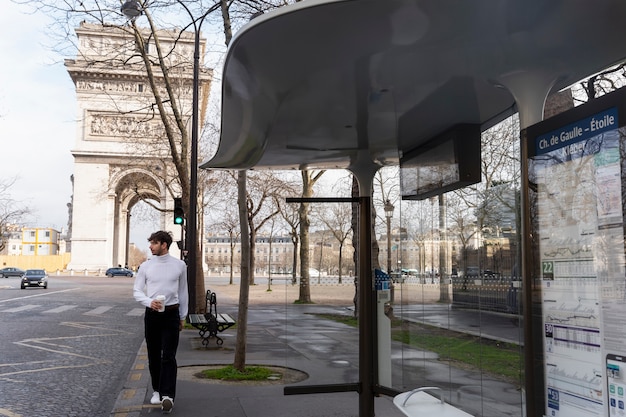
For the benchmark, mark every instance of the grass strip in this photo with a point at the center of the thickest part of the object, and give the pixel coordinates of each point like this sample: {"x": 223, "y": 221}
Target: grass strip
{"x": 229, "y": 373}
{"x": 497, "y": 359}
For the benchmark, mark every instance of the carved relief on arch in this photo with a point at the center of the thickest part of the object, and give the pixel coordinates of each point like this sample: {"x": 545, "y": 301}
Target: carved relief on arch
{"x": 116, "y": 125}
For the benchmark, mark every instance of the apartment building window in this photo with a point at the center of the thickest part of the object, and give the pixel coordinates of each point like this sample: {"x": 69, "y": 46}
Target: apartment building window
{"x": 31, "y": 233}
{"x": 47, "y": 234}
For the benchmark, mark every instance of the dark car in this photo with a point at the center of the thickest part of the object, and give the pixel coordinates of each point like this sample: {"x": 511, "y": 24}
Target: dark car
{"x": 11, "y": 272}
{"x": 472, "y": 271}
{"x": 119, "y": 271}
{"x": 34, "y": 278}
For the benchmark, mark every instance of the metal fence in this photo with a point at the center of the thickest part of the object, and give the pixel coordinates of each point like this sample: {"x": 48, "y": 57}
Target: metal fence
{"x": 503, "y": 295}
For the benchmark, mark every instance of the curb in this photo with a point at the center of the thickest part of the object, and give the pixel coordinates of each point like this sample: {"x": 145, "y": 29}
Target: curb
{"x": 131, "y": 399}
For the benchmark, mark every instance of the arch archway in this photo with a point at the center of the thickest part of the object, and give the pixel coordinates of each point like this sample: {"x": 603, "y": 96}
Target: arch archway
{"x": 104, "y": 195}
{"x": 130, "y": 187}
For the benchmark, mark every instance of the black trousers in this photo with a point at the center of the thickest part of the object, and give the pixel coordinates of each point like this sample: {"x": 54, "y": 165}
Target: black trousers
{"x": 162, "y": 334}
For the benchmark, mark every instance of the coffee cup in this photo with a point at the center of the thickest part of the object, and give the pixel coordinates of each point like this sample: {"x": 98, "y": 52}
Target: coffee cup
{"x": 161, "y": 300}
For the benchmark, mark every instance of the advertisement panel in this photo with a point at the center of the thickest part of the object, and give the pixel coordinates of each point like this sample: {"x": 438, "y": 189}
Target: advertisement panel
{"x": 577, "y": 218}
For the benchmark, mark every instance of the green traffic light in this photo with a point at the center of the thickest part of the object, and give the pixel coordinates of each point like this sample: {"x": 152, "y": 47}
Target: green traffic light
{"x": 178, "y": 220}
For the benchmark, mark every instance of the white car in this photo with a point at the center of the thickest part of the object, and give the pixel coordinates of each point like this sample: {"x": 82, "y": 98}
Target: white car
{"x": 314, "y": 273}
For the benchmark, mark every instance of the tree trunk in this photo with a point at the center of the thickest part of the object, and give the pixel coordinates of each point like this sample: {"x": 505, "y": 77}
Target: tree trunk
{"x": 200, "y": 288}
{"x": 303, "y": 212}
{"x": 252, "y": 261}
{"x": 355, "y": 244}
{"x": 244, "y": 288}
{"x": 294, "y": 261}
{"x": 444, "y": 271}
{"x": 340, "y": 259}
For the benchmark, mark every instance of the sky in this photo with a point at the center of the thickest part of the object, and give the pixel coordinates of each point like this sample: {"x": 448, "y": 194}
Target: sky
{"x": 37, "y": 119}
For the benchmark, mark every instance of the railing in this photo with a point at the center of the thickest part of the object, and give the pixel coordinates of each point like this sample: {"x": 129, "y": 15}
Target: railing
{"x": 500, "y": 295}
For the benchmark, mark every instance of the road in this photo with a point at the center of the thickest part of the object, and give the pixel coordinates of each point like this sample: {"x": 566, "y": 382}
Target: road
{"x": 67, "y": 350}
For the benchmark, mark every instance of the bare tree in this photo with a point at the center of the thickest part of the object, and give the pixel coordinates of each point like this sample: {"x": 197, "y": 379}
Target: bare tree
{"x": 291, "y": 216}
{"x": 601, "y": 83}
{"x": 136, "y": 257}
{"x": 266, "y": 192}
{"x": 337, "y": 218}
{"x": 230, "y": 224}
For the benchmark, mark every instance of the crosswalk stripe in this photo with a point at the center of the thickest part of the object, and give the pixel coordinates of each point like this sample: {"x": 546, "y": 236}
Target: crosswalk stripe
{"x": 98, "y": 310}
{"x": 21, "y": 308}
{"x": 136, "y": 312}
{"x": 60, "y": 309}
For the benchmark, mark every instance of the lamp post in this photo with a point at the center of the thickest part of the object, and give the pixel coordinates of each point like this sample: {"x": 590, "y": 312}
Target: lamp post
{"x": 132, "y": 9}
{"x": 388, "y": 214}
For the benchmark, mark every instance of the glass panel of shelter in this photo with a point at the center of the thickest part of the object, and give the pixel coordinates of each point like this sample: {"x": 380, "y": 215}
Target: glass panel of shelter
{"x": 457, "y": 312}
{"x": 453, "y": 315}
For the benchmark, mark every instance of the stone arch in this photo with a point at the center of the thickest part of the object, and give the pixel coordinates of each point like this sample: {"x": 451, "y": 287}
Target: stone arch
{"x": 110, "y": 174}
{"x": 130, "y": 186}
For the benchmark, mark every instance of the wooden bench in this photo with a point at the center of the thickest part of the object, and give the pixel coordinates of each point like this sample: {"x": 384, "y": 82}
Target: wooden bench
{"x": 211, "y": 323}
{"x": 424, "y": 404}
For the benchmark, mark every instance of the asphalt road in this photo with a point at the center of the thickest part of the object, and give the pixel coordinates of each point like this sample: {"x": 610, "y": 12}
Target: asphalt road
{"x": 67, "y": 350}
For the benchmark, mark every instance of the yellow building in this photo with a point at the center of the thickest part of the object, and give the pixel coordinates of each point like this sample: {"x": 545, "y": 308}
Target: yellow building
{"x": 40, "y": 241}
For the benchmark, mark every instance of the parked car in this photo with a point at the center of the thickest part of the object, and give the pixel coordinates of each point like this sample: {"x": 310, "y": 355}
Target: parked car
{"x": 11, "y": 272}
{"x": 472, "y": 271}
{"x": 34, "y": 278}
{"x": 491, "y": 275}
{"x": 314, "y": 273}
{"x": 119, "y": 271}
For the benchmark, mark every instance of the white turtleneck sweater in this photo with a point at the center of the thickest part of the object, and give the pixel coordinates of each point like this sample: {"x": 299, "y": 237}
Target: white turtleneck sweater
{"x": 163, "y": 275}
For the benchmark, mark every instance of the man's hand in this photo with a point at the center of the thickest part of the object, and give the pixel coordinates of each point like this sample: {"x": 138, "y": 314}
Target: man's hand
{"x": 181, "y": 325}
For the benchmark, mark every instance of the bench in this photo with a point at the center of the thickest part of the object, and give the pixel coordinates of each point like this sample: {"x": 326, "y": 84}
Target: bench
{"x": 424, "y": 404}
{"x": 211, "y": 323}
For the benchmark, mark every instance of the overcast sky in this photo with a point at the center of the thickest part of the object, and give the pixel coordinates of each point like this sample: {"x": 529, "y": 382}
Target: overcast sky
{"x": 37, "y": 118}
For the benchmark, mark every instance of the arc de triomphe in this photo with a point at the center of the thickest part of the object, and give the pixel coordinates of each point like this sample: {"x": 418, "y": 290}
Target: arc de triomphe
{"x": 121, "y": 155}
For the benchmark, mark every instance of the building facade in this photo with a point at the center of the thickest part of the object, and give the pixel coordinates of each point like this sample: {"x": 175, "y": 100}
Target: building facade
{"x": 39, "y": 241}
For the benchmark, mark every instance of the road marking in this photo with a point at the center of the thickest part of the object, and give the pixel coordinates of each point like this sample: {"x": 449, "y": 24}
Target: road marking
{"x": 136, "y": 312}
{"x": 60, "y": 309}
{"x": 98, "y": 310}
{"x": 7, "y": 413}
{"x": 38, "y": 295}
{"x": 21, "y": 308}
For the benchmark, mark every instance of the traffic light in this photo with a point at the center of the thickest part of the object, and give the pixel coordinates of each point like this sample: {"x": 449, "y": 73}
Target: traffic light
{"x": 179, "y": 213}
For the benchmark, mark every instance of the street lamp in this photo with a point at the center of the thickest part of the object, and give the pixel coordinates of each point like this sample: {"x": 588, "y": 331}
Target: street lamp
{"x": 388, "y": 214}
{"x": 132, "y": 9}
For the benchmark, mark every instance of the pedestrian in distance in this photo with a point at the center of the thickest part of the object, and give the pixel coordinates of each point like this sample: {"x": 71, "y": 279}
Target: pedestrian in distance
{"x": 161, "y": 286}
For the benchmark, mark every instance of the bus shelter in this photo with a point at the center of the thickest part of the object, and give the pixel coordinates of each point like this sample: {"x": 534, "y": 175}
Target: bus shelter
{"x": 358, "y": 85}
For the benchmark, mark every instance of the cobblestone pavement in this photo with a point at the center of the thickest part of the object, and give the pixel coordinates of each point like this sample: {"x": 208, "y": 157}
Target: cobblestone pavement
{"x": 66, "y": 350}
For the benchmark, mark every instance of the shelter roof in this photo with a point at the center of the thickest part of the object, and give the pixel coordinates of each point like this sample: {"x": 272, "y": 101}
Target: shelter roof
{"x": 338, "y": 83}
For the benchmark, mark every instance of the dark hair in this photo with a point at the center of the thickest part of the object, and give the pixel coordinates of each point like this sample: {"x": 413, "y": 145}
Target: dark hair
{"x": 162, "y": 237}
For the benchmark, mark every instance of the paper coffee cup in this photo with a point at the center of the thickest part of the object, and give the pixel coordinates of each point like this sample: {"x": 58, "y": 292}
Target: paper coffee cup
{"x": 161, "y": 299}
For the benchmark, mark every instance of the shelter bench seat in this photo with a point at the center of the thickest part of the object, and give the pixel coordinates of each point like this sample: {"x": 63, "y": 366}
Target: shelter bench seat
{"x": 424, "y": 404}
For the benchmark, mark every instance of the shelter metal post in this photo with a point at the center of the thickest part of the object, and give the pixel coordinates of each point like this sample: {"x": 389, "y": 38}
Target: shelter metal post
{"x": 366, "y": 387}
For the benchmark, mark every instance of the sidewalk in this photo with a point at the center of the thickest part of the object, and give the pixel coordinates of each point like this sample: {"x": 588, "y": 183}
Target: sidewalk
{"x": 285, "y": 335}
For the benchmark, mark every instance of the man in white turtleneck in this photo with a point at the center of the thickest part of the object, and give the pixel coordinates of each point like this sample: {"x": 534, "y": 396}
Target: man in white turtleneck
{"x": 162, "y": 275}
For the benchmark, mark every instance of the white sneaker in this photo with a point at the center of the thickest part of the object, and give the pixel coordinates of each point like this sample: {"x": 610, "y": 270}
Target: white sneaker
{"x": 167, "y": 404}
{"x": 156, "y": 398}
